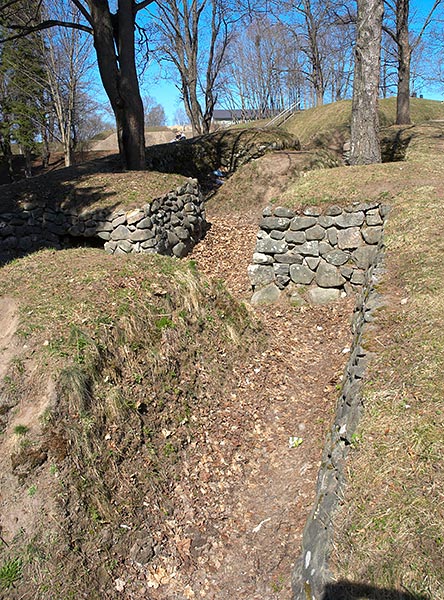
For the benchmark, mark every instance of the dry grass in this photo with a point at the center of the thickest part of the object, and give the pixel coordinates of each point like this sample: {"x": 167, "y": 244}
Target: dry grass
{"x": 134, "y": 344}
{"x": 329, "y": 125}
{"x": 390, "y": 533}
{"x": 95, "y": 185}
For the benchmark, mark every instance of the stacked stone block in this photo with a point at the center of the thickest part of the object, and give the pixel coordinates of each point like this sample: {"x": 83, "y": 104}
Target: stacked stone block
{"x": 330, "y": 250}
{"x": 168, "y": 225}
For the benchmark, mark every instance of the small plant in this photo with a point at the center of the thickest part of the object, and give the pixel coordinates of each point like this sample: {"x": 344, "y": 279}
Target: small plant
{"x": 21, "y": 430}
{"x": 356, "y": 439}
{"x": 164, "y": 323}
{"x": 10, "y": 573}
{"x": 32, "y": 490}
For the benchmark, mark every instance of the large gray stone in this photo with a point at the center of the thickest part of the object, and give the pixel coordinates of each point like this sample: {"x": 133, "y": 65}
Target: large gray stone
{"x": 295, "y": 237}
{"x": 308, "y": 248}
{"x": 363, "y": 257}
{"x": 312, "y": 262}
{"x": 349, "y": 239}
{"x": 141, "y": 235}
{"x": 325, "y": 221}
{"x": 332, "y": 235}
{"x": 262, "y": 259}
{"x": 333, "y": 210}
{"x": 328, "y": 276}
{"x": 283, "y": 211}
{"x": 133, "y": 216}
{"x": 270, "y": 246}
{"x": 337, "y": 257}
{"x": 278, "y": 223}
{"x": 266, "y": 295}
{"x": 312, "y": 211}
{"x": 299, "y": 223}
{"x": 182, "y": 233}
{"x": 315, "y": 233}
{"x": 118, "y": 220}
{"x": 180, "y": 250}
{"x": 372, "y": 235}
{"x": 358, "y": 277}
{"x": 124, "y": 245}
{"x": 121, "y": 233}
{"x": 145, "y": 223}
{"x": 319, "y": 295}
{"x": 301, "y": 274}
{"x": 353, "y": 219}
{"x": 324, "y": 247}
{"x": 260, "y": 275}
{"x": 277, "y": 235}
{"x": 289, "y": 258}
{"x": 373, "y": 217}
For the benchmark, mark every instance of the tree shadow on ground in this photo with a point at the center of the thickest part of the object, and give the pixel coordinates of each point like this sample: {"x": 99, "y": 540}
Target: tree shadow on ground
{"x": 347, "y": 590}
{"x": 25, "y": 203}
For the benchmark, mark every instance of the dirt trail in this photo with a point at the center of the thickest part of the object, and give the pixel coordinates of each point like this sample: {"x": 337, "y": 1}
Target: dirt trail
{"x": 8, "y": 326}
{"x": 242, "y": 520}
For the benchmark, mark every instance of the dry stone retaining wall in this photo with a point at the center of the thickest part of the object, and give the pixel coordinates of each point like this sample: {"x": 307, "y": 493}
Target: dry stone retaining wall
{"x": 328, "y": 252}
{"x": 311, "y": 578}
{"x": 169, "y": 225}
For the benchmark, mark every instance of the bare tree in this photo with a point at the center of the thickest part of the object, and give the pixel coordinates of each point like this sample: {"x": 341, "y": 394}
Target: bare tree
{"x": 193, "y": 36}
{"x": 400, "y": 34}
{"x": 154, "y": 112}
{"x": 365, "y": 147}
{"x": 66, "y": 54}
{"x": 263, "y": 72}
{"x": 114, "y": 43}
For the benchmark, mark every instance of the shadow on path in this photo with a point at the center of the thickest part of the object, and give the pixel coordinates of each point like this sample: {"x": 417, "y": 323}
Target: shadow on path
{"x": 347, "y": 590}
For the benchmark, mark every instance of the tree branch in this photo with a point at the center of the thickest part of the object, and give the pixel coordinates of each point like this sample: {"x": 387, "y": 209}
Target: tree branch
{"x": 83, "y": 10}
{"x": 23, "y": 30}
{"x": 143, "y": 4}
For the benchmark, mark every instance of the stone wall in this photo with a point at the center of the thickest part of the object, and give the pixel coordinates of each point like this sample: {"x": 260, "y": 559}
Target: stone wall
{"x": 169, "y": 225}
{"x": 326, "y": 252}
{"x": 311, "y": 576}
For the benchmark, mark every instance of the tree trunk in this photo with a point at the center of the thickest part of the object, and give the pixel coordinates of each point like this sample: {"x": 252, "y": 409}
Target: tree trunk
{"x": 114, "y": 44}
{"x": 45, "y": 147}
{"x": 365, "y": 147}
{"x": 404, "y": 57}
{"x": 5, "y": 146}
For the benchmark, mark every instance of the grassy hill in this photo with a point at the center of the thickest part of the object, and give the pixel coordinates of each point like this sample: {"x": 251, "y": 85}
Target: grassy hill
{"x": 111, "y": 368}
{"x": 330, "y": 124}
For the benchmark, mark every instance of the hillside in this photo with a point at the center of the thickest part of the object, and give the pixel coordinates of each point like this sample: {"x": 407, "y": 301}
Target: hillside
{"x": 146, "y": 406}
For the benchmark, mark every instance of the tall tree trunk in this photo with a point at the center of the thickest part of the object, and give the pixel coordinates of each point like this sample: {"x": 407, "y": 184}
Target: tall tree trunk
{"x": 45, "y": 147}
{"x": 114, "y": 44}
{"x": 365, "y": 147}
{"x": 5, "y": 147}
{"x": 404, "y": 57}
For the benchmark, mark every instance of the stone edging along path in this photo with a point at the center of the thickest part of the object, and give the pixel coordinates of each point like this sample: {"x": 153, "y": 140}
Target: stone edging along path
{"x": 311, "y": 572}
{"x": 326, "y": 256}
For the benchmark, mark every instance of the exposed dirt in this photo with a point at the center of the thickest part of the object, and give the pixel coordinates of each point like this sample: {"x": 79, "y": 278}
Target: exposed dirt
{"x": 238, "y": 511}
{"x": 239, "y": 517}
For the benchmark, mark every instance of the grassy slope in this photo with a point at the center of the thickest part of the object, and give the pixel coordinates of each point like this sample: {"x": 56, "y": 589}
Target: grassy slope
{"x": 135, "y": 347}
{"x": 75, "y": 321}
{"x": 330, "y": 123}
{"x": 390, "y": 532}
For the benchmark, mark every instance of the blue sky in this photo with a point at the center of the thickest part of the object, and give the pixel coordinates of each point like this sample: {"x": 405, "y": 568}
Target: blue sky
{"x": 165, "y": 93}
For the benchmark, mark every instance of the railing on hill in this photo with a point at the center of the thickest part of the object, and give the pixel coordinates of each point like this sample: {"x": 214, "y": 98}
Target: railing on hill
{"x": 284, "y": 115}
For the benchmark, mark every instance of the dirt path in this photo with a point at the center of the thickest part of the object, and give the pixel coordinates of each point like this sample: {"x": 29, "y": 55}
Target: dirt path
{"x": 244, "y": 505}
{"x": 8, "y": 326}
